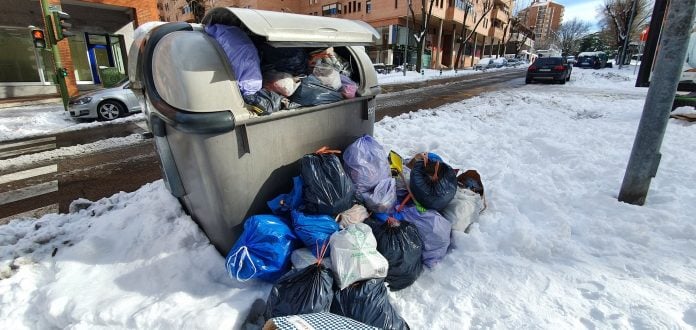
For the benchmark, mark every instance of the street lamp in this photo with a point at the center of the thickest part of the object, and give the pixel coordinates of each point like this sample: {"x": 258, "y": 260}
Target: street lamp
{"x": 408, "y": 5}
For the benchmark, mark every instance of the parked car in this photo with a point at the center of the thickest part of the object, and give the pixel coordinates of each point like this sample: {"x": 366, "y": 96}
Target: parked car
{"x": 381, "y": 68}
{"x": 554, "y": 69}
{"x": 595, "y": 60}
{"x": 484, "y": 63}
{"x": 571, "y": 59}
{"x": 500, "y": 62}
{"x": 105, "y": 104}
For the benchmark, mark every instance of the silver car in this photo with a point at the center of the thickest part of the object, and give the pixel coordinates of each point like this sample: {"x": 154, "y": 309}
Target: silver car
{"x": 105, "y": 104}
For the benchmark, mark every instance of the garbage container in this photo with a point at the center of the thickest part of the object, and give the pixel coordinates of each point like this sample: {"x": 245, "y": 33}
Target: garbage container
{"x": 222, "y": 162}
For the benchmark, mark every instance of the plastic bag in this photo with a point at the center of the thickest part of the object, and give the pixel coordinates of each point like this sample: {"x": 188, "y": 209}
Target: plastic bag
{"x": 354, "y": 255}
{"x": 327, "y": 75}
{"x": 301, "y": 291}
{"x": 368, "y": 302}
{"x": 463, "y": 210}
{"x": 303, "y": 257}
{"x": 328, "y": 56}
{"x": 327, "y": 189}
{"x": 353, "y": 215}
{"x": 433, "y": 183}
{"x": 348, "y": 87}
{"x": 314, "y": 321}
{"x": 280, "y": 82}
{"x": 263, "y": 250}
{"x": 434, "y": 230}
{"x": 313, "y": 92}
{"x": 382, "y": 198}
{"x": 313, "y": 230}
{"x": 401, "y": 245}
{"x": 242, "y": 54}
{"x": 284, "y": 203}
{"x": 264, "y": 102}
{"x": 366, "y": 163}
{"x": 292, "y": 60}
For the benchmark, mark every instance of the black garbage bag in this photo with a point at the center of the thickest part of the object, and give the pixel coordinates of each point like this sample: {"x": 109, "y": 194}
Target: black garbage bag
{"x": 400, "y": 243}
{"x": 368, "y": 302}
{"x": 301, "y": 291}
{"x": 433, "y": 183}
{"x": 327, "y": 188}
{"x": 292, "y": 60}
{"x": 313, "y": 92}
{"x": 264, "y": 102}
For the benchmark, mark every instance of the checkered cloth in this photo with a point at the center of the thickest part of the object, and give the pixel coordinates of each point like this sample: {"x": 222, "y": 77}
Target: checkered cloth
{"x": 315, "y": 321}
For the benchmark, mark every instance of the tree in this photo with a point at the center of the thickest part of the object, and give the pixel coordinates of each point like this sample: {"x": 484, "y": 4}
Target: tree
{"x": 197, "y": 9}
{"x": 521, "y": 34}
{"x": 570, "y": 33}
{"x": 616, "y": 15}
{"x": 487, "y": 6}
{"x": 592, "y": 42}
{"x": 421, "y": 36}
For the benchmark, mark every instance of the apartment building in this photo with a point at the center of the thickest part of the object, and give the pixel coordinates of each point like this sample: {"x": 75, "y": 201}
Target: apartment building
{"x": 396, "y": 24}
{"x": 103, "y": 33}
{"x": 544, "y": 17}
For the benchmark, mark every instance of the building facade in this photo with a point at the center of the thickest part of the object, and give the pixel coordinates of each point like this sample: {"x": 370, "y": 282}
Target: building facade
{"x": 397, "y": 25}
{"x": 544, "y": 17}
{"x": 103, "y": 33}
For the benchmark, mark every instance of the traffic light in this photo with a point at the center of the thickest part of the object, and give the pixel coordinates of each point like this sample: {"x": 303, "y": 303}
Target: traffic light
{"x": 39, "y": 38}
{"x": 61, "y": 27}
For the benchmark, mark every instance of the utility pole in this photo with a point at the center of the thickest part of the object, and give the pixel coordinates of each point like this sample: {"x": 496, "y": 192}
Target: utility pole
{"x": 61, "y": 73}
{"x": 628, "y": 35}
{"x": 645, "y": 155}
{"x": 408, "y": 36}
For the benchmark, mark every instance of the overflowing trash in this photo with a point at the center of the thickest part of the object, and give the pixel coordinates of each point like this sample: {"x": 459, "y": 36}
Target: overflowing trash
{"x": 369, "y": 222}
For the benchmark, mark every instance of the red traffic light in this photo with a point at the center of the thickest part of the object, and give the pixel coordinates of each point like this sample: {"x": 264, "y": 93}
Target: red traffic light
{"x": 37, "y": 34}
{"x": 39, "y": 38}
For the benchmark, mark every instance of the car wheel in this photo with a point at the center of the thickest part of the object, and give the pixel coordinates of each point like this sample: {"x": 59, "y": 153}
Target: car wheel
{"x": 528, "y": 81}
{"x": 110, "y": 110}
{"x": 562, "y": 81}
{"x": 568, "y": 77}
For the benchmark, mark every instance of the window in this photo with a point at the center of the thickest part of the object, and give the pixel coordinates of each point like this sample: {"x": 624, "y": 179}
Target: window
{"x": 185, "y": 9}
{"x": 354, "y": 6}
{"x": 345, "y": 8}
{"x": 359, "y": 4}
{"x": 330, "y": 10}
{"x": 368, "y": 6}
{"x": 396, "y": 4}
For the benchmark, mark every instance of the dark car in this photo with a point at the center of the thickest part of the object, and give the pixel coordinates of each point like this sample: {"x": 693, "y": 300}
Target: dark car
{"x": 595, "y": 60}
{"x": 554, "y": 69}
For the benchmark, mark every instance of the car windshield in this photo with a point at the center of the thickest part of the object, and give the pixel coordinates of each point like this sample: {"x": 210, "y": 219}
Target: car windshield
{"x": 548, "y": 61}
{"x": 484, "y": 61}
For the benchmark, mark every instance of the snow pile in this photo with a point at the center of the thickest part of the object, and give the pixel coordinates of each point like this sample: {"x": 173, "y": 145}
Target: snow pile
{"x": 37, "y": 120}
{"x": 429, "y": 74}
{"x": 554, "y": 249}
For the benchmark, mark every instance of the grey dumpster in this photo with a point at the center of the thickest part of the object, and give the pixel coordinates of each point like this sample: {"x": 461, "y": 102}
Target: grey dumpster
{"x": 219, "y": 160}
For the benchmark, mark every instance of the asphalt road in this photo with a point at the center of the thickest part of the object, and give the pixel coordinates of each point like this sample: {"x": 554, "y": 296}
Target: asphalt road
{"x": 50, "y": 186}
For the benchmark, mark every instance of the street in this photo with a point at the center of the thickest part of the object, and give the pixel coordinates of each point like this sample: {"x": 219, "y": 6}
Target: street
{"x": 50, "y": 185}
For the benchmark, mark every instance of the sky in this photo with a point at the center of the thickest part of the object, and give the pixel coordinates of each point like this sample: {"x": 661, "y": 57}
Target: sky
{"x": 554, "y": 249}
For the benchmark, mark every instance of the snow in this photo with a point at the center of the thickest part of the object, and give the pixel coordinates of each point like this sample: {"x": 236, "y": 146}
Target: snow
{"x": 427, "y": 75}
{"x": 554, "y": 249}
{"x": 35, "y": 120}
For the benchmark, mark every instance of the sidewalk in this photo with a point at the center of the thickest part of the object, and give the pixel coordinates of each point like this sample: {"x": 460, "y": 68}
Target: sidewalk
{"x": 13, "y": 102}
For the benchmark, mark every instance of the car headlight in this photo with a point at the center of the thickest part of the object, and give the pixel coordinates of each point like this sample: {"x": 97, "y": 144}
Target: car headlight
{"x": 83, "y": 100}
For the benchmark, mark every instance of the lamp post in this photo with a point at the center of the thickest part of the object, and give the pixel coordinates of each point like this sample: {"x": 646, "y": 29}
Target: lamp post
{"x": 408, "y": 5}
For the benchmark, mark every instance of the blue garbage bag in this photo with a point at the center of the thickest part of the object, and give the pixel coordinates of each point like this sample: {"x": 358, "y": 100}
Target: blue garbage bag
{"x": 285, "y": 203}
{"x": 314, "y": 230}
{"x": 263, "y": 251}
{"x": 434, "y": 230}
{"x": 366, "y": 163}
{"x": 313, "y": 92}
{"x": 242, "y": 54}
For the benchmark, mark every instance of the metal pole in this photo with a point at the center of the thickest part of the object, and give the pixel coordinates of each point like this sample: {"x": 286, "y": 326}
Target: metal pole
{"x": 646, "y": 63}
{"x": 408, "y": 36}
{"x": 645, "y": 155}
{"x": 59, "y": 79}
{"x": 622, "y": 58}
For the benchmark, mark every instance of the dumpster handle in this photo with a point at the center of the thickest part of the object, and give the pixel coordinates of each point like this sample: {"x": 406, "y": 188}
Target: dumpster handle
{"x": 186, "y": 121}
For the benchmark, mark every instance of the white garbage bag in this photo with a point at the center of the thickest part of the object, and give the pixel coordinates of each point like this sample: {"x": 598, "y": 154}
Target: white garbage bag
{"x": 353, "y": 215}
{"x": 464, "y": 209}
{"x": 354, "y": 255}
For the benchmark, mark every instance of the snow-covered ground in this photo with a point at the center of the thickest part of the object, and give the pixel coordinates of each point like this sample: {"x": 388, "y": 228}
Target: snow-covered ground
{"x": 428, "y": 74}
{"x": 554, "y": 249}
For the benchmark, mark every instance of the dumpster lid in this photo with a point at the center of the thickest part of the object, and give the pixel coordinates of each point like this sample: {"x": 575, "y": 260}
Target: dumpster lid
{"x": 294, "y": 30}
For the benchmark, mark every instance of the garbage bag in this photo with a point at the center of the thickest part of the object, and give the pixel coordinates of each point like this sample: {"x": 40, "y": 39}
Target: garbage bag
{"x": 353, "y": 215}
{"x": 264, "y": 102}
{"x": 348, "y": 87}
{"x": 355, "y": 257}
{"x": 382, "y": 198}
{"x": 313, "y": 230}
{"x": 327, "y": 189}
{"x": 400, "y": 243}
{"x": 314, "y": 321}
{"x": 433, "y": 183}
{"x": 303, "y": 257}
{"x": 327, "y": 75}
{"x": 366, "y": 163}
{"x": 292, "y": 60}
{"x": 368, "y": 302}
{"x": 313, "y": 92}
{"x": 280, "y": 82}
{"x": 263, "y": 250}
{"x": 328, "y": 56}
{"x": 242, "y": 54}
{"x": 284, "y": 203}
{"x": 434, "y": 230}
{"x": 301, "y": 291}
{"x": 463, "y": 210}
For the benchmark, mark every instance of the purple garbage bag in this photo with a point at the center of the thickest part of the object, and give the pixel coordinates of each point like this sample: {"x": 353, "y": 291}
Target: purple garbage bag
{"x": 366, "y": 163}
{"x": 434, "y": 230}
{"x": 382, "y": 198}
{"x": 242, "y": 54}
